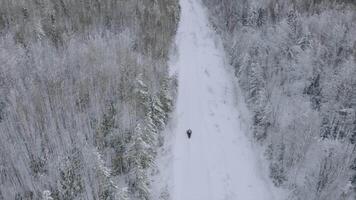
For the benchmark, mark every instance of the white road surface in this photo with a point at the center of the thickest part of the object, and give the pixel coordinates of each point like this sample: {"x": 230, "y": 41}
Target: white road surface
{"x": 217, "y": 163}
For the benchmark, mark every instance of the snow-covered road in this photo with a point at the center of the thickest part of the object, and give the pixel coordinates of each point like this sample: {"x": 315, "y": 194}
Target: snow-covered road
{"x": 217, "y": 163}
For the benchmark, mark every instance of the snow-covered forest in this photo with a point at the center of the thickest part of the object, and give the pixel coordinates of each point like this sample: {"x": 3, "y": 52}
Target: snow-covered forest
{"x": 84, "y": 95}
{"x": 96, "y": 96}
{"x": 295, "y": 61}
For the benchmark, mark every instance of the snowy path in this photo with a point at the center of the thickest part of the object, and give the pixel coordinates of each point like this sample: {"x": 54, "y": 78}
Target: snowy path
{"x": 217, "y": 163}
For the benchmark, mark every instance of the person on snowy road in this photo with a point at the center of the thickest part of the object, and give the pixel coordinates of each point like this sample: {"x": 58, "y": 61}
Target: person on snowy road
{"x": 189, "y": 133}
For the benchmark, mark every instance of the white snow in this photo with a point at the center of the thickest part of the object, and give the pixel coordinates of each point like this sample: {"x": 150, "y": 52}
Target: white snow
{"x": 218, "y": 162}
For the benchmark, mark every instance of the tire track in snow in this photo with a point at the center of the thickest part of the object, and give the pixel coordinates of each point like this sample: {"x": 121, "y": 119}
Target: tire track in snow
{"x": 216, "y": 163}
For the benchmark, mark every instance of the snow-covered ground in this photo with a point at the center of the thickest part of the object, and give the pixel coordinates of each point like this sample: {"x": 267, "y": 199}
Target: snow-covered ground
{"x": 218, "y": 162}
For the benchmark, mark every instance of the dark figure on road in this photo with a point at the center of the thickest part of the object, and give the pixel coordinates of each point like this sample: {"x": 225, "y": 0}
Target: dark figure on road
{"x": 189, "y": 133}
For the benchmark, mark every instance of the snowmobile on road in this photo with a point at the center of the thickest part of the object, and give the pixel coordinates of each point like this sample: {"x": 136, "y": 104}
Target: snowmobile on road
{"x": 189, "y": 133}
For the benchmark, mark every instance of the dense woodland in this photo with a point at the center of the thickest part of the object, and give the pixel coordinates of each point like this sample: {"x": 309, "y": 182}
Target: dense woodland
{"x": 84, "y": 95}
{"x": 296, "y": 64}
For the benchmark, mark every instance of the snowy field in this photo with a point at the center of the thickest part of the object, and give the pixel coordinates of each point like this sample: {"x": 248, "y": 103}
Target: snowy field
{"x": 218, "y": 162}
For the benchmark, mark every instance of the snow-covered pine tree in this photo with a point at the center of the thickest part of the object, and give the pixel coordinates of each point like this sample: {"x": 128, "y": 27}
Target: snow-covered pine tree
{"x": 165, "y": 96}
{"x": 139, "y": 160}
{"x": 139, "y": 183}
{"x": 142, "y": 95}
{"x": 258, "y": 100}
{"x": 107, "y": 189}
{"x": 158, "y": 115}
{"x": 277, "y": 171}
{"x": 150, "y": 132}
